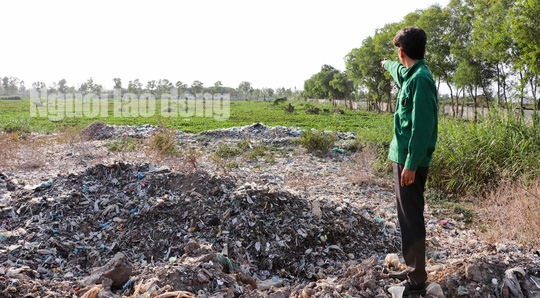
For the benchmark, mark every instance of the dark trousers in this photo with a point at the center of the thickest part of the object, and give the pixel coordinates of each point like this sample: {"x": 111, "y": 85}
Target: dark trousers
{"x": 410, "y": 209}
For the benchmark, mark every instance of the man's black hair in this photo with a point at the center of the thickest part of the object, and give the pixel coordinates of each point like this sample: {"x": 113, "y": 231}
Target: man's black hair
{"x": 412, "y": 40}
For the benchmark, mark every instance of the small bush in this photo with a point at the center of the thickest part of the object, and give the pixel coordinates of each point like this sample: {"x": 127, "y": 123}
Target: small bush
{"x": 376, "y": 139}
{"x": 289, "y": 109}
{"x": 71, "y": 135}
{"x": 311, "y": 109}
{"x": 164, "y": 145}
{"x": 191, "y": 157}
{"x": 316, "y": 141}
{"x": 277, "y": 101}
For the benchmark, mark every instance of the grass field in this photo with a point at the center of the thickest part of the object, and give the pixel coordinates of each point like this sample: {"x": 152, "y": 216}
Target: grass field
{"x": 15, "y": 116}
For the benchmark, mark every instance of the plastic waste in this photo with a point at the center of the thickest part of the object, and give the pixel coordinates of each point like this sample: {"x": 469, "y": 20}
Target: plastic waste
{"x": 396, "y": 291}
{"x": 510, "y": 279}
{"x": 435, "y": 290}
{"x": 392, "y": 260}
{"x": 339, "y": 150}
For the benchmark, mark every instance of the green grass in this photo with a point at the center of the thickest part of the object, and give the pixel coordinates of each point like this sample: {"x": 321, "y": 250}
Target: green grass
{"x": 16, "y": 114}
{"x": 226, "y": 151}
{"x": 472, "y": 158}
{"x": 123, "y": 144}
{"x": 317, "y": 141}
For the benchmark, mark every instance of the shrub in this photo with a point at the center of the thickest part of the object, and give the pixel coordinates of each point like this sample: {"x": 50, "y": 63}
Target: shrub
{"x": 289, "y": 109}
{"x": 163, "y": 143}
{"x": 316, "y": 141}
{"x": 376, "y": 139}
{"x": 311, "y": 109}
{"x": 280, "y": 100}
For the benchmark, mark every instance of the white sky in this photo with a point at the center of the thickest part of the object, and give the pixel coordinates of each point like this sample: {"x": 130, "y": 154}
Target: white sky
{"x": 268, "y": 43}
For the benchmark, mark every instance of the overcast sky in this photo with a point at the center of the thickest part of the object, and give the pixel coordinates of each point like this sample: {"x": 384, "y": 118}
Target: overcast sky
{"x": 268, "y": 43}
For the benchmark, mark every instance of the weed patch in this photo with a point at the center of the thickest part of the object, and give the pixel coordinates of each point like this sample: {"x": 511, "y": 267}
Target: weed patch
{"x": 226, "y": 151}
{"x": 124, "y": 144}
{"x": 163, "y": 144}
{"x": 316, "y": 141}
{"x": 510, "y": 213}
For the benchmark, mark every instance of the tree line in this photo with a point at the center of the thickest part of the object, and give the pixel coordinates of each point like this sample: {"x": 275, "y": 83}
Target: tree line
{"x": 10, "y": 86}
{"x": 485, "y": 51}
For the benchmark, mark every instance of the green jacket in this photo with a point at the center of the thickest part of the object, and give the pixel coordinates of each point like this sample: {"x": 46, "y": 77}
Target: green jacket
{"x": 415, "y": 119}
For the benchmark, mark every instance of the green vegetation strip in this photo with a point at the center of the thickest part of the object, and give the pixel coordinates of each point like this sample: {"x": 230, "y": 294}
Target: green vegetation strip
{"x": 15, "y": 116}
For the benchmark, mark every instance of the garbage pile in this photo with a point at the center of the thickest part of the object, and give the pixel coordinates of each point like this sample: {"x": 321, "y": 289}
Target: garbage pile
{"x": 65, "y": 227}
{"x": 268, "y": 135}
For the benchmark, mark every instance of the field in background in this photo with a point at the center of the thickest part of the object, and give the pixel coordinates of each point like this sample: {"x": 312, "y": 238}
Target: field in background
{"x": 15, "y": 116}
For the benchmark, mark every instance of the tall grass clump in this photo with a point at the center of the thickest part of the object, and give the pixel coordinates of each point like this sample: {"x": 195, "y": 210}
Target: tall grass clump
{"x": 472, "y": 158}
{"x": 163, "y": 143}
{"x": 316, "y": 141}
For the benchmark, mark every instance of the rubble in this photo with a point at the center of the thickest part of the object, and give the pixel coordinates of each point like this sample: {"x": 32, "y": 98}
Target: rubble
{"x": 294, "y": 227}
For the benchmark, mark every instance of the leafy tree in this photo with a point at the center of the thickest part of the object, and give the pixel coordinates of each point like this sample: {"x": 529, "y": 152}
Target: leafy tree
{"x": 117, "y": 83}
{"x": 39, "y": 86}
{"x": 217, "y": 87}
{"x": 245, "y": 88}
{"x": 197, "y": 87}
{"x": 270, "y": 92}
{"x": 135, "y": 86}
{"x": 525, "y": 21}
{"x": 364, "y": 69}
{"x": 88, "y": 86}
{"x": 343, "y": 86}
{"x": 62, "y": 86}
{"x": 151, "y": 86}
{"x": 22, "y": 87}
{"x": 180, "y": 86}
{"x": 492, "y": 41}
{"x": 525, "y": 24}
{"x": 164, "y": 86}
{"x": 5, "y": 85}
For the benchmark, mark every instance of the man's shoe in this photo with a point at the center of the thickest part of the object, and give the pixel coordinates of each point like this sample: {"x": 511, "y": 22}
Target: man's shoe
{"x": 412, "y": 288}
{"x": 401, "y": 275}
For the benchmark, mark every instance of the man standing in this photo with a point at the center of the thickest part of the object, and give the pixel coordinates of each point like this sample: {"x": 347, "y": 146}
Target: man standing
{"x": 411, "y": 150}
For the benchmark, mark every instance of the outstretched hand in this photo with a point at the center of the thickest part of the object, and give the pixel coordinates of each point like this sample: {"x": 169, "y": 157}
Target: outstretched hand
{"x": 382, "y": 64}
